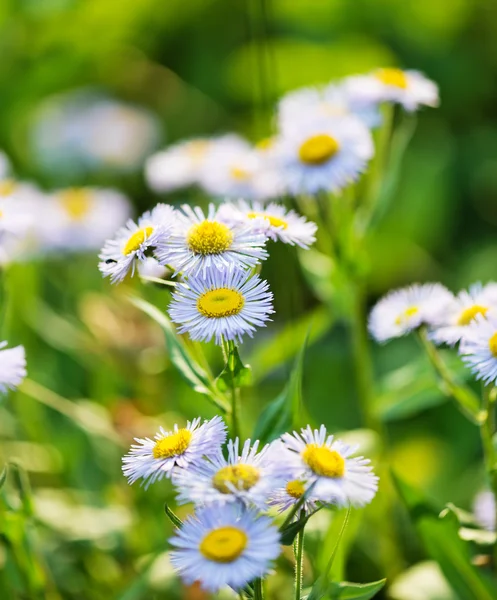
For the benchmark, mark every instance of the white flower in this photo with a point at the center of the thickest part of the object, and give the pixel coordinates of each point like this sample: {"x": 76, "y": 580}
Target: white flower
{"x": 411, "y": 89}
{"x": 323, "y": 154}
{"x": 406, "y": 309}
{"x": 177, "y": 166}
{"x": 81, "y": 218}
{"x": 273, "y": 220}
{"x": 249, "y": 477}
{"x": 151, "y": 267}
{"x": 484, "y": 509}
{"x": 327, "y": 465}
{"x": 15, "y": 217}
{"x": 12, "y": 367}
{"x": 132, "y": 242}
{"x": 224, "y": 304}
{"x": 152, "y": 460}
{"x": 479, "y": 347}
{"x": 198, "y": 244}
{"x": 287, "y": 497}
{"x": 225, "y": 546}
{"x": 452, "y": 325}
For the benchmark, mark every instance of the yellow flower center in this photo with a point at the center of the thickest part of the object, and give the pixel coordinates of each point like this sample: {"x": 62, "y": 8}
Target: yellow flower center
{"x": 470, "y": 313}
{"x": 219, "y": 303}
{"x": 137, "y": 239}
{"x": 406, "y": 315}
{"x": 265, "y": 143}
{"x": 318, "y": 149}
{"x": 209, "y": 237}
{"x": 394, "y": 77}
{"x": 492, "y": 344}
{"x": 274, "y": 221}
{"x": 239, "y": 174}
{"x": 295, "y": 489}
{"x": 323, "y": 461}
{"x": 173, "y": 445}
{"x": 224, "y": 545}
{"x": 7, "y": 187}
{"x": 76, "y": 202}
{"x": 240, "y": 477}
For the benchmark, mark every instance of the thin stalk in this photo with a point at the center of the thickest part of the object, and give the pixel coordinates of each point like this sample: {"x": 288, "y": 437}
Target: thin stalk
{"x": 298, "y": 549}
{"x": 258, "y": 593}
{"x": 228, "y": 347}
{"x": 487, "y": 432}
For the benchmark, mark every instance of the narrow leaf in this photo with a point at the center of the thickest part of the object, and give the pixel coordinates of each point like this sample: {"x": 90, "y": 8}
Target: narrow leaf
{"x": 175, "y": 520}
{"x": 354, "y": 591}
{"x": 3, "y": 476}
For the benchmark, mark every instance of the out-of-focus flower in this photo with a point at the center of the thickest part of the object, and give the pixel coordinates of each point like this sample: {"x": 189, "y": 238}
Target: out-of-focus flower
{"x": 328, "y": 465}
{"x": 151, "y": 267}
{"x": 225, "y": 545}
{"x": 479, "y": 347}
{"x": 132, "y": 242}
{"x": 274, "y": 220}
{"x": 198, "y": 243}
{"x": 152, "y": 460}
{"x": 484, "y": 509}
{"x": 222, "y": 304}
{"x": 12, "y": 367}
{"x": 401, "y": 311}
{"x": 248, "y": 477}
{"x": 411, "y": 89}
{"x": 287, "y": 497}
{"x": 323, "y": 154}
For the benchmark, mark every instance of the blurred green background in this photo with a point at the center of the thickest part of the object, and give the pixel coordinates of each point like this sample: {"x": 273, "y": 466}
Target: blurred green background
{"x": 203, "y": 67}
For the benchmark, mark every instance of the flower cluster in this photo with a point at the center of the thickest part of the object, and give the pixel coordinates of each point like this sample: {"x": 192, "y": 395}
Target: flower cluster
{"x": 231, "y": 540}
{"x": 468, "y": 319}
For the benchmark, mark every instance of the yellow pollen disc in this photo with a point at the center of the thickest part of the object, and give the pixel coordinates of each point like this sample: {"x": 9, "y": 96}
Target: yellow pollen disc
{"x": 492, "y": 344}
{"x": 265, "y": 143}
{"x": 470, "y": 313}
{"x": 241, "y": 477}
{"x": 137, "y": 239}
{"x": 224, "y": 545}
{"x": 173, "y": 445}
{"x": 295, "y": 489}
{"x": 323, "y": 461}
{"x": 7, "y": 186}
{"x": 76, "y": 202}
{"x": 197, "y": 149}
{"x": 274, "y": 221}
{"x": 318, "y": 149}
{"x": 222, "y": 302}
{"x": 395, "y": 77}
{"x": 209, "y": 237}
{"x": 239, "y": 173}
{"x": 406, "y": 315}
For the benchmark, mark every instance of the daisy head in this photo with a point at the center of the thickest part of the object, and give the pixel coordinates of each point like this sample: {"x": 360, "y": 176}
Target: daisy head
{"x": 248, "y": 476}
{"x": 406, "y": 309}
{"x": 478, "y": 301}
{"x": 199, "y": 243}
{"x": 178, "y": 166}
{"x": 224, "y": 304}
{"x": 323, "y": 154}
{"x": 12, "y": 367}
{"x": 225, "y": 546}
{"x": 479, "y": 347}
{"x": 287, "y": 496}
{"x": 135, "y": 242}
{"x": 274, "y": 220}
{"x": 328, "y": 465}
{"x": 152, "y": 460}
{"x": 410, "y": 89}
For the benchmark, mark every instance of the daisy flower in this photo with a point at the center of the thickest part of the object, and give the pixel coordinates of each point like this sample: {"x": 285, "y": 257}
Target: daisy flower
{"x": 287, "y": 497}
{"x": 177, "y": 166}
{"x": 225, "y": 546}
{"x": 199, "y": 243}
{"x": 15, "y": 217}
{"x": 411, "y": 89}
{"x": 132, "y": 242}
{"x": 406, "y": 309}
{"x": 224, "y": 304}
{"x": 12, "y": 367}
{"x": 81, "y": 218}
{"x": 465, "y": 307}
{"x": 152, "y": 460}
{"x": 337, "y": 477}
{"x": 249, "y": 477}
{"x": 273, "y": 220}
{"x": 479, "y": 347}
{"x": 323, "y": 154}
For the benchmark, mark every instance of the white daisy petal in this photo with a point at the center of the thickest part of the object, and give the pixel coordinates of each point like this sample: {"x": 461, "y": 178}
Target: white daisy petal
{"x": 12, "y": 367}
{"x": 484, "y": 509}
{"x": 479, "y": 347}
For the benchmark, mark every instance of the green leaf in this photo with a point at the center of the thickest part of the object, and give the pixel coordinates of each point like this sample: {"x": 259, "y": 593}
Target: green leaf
{"x": 191, "y": 371}
{"x": 354, "y": 591}
{"x": 234, "y": 372}
{"x": 3, "y": 476}
{"x": 175, "y": 520}
{"x": 283, "y": 413}
{"x": 290, "y": 531}
{"x": 443, "y": 543}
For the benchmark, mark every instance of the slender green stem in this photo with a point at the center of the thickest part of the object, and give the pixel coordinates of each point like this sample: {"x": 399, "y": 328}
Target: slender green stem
{"x": 228, "y": 351}
{"x": 487, "y": 432}
{"x": 298, "y": 549}
{"x": 258, "y": 593}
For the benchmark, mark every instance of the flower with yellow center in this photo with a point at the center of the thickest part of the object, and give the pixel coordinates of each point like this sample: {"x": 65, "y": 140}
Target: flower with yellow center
{"x": 224, "y": 546}
{"x": 240, "y": 173}
{"x": 236, "y": 477}
{"x": 136, "y": 240}
{"x": 174, "y": 444}
{"x": 287, "y": 497}
{"x": 273, "y": 221}
{"x": 410, "y": 311}
{"x": 295, "y": 489}
{"x": 7, "y": 187}
{"x": 209, "y": 237}
{"x": 318, "y": 149}
{"x": 76, "y": 202}
{"x": 394, "y": 77}
{"x": 221, "y": 302}
{"x": 323, "y": 461}
{"x": 470, "y": 313}
{"x": 479, "y": 347}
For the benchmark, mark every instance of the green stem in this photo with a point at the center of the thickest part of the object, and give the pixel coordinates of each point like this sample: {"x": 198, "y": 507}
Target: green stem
{"x": 487, "y": 432}
{"x": 228, "y": 348}
{"x": 258, "y": 594}
{"x": 298, "y": 549}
